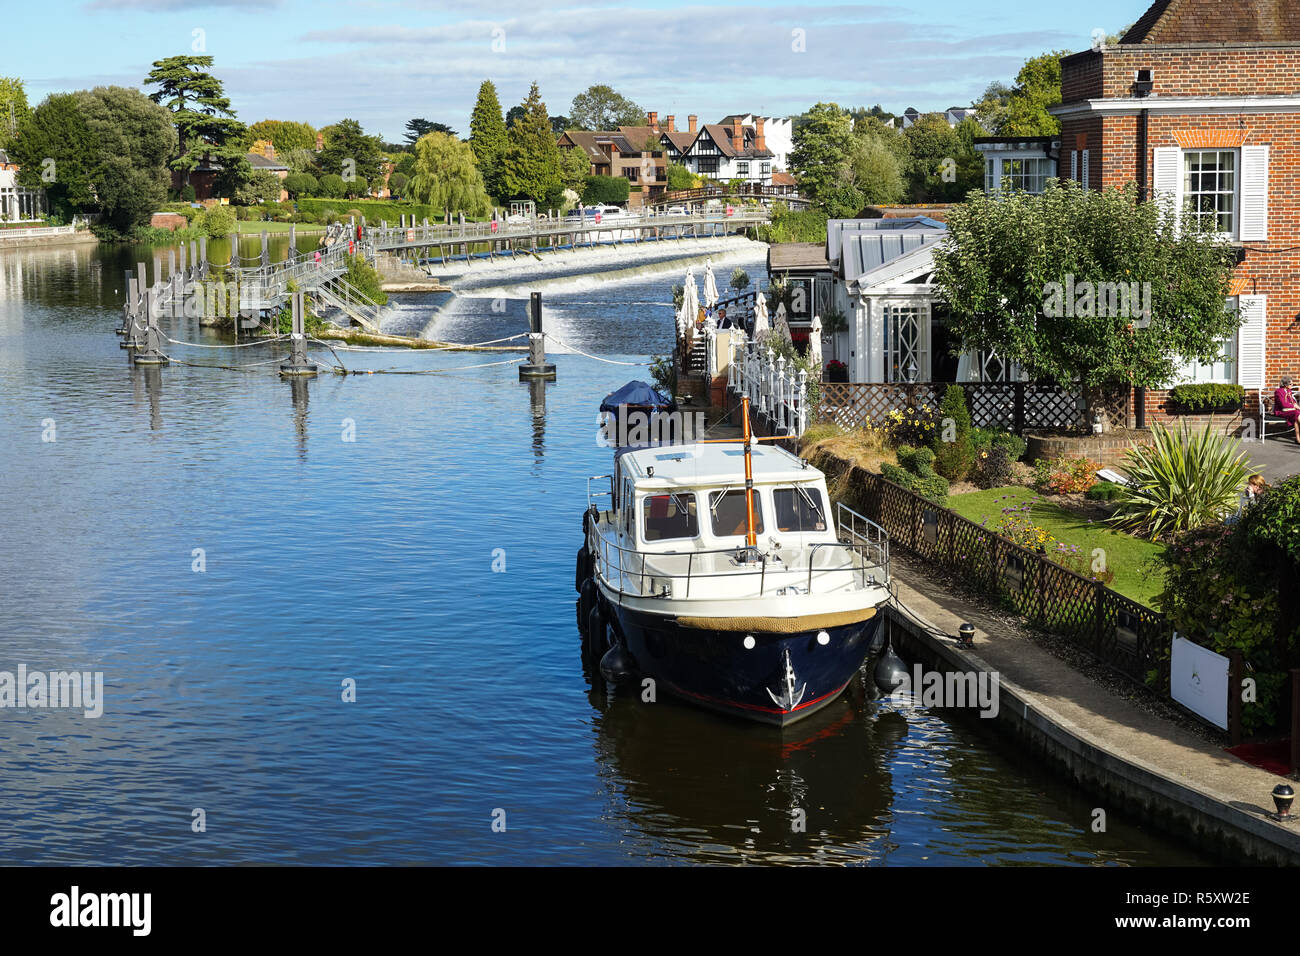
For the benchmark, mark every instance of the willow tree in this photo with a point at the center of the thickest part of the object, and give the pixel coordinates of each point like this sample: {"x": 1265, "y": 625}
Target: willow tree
{"x": 446, "y": 176}
{"x": 1088, "y": 287}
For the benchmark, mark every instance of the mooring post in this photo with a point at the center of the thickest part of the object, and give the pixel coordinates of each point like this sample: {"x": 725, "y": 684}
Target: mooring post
{"x": 128, "y": 307}
{"x": 157, "y": 272}
{"x": 203, "y": 255}
{"x": 194, "y": 259}
{"x": 150, "y": 352}
{"x": 536, "y": 366}
{"x": 293, "y": 240}
{"x": 298, "y": 364}
{"x": 266, "y": 252}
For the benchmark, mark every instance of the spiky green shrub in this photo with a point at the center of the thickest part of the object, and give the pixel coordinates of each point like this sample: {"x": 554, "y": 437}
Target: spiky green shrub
{"x": 1183, "y": 480}
{"x": 953, "y": 450}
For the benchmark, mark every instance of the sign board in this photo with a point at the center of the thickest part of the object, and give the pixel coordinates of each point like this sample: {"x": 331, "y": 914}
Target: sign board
{"x": 1198, "y": 679}
{"x": 494, "y": 225}
{"x": 731, "y": 210}
{"x": 598, "y": 217}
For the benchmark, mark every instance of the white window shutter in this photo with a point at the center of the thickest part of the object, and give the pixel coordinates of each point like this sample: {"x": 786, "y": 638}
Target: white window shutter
{"x": 1168, "y": 180}
{"x": 1074, "y": 165}
{"x": 1254, "y": 193}
{"x": 1084, "y": 171}
{"x": 1251, "y": 341}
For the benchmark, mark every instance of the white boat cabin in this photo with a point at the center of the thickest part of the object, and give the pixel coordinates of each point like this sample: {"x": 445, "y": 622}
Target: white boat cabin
{"x": 692, "y": 497}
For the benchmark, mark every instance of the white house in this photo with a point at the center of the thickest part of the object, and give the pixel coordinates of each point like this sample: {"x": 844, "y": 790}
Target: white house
{"x": 17, "y": 203}
{"x": 722, "y": 151}
{"x": 1024, "y": 163}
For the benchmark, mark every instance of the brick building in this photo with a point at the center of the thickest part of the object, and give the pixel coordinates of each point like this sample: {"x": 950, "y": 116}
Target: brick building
{"x": 1200, "y": 103}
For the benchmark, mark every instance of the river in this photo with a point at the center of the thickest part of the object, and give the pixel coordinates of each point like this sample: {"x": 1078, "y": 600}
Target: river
{"x": 237, "y": 555}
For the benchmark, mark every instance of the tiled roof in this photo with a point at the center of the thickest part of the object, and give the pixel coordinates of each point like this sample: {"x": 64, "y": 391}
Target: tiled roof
{"x": 1217, "y": 21}
{"x": 721, "y": 135}
{"x": 258, "y": 161}
{"x": 680, "y": 138}
{"x": 784, "y": 179}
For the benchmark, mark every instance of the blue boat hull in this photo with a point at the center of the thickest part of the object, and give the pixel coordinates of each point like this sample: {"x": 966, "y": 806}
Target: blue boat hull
{"x": 713, "y": 668}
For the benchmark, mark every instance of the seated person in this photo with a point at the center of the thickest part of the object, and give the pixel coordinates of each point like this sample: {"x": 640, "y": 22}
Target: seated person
{"x": 1284, "y": 406}
{"x": 723, "y": 321}
{"x": 1255, "y": 487}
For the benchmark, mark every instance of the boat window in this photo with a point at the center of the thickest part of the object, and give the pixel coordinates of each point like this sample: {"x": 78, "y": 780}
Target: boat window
{"x": 670, "y": 516}
{"x": 727, "y": 513}
{"x": 799, "y": 509}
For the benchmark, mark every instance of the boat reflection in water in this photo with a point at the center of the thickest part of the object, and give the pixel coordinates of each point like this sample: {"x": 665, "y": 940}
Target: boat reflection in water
{"x": 715, "y": 791}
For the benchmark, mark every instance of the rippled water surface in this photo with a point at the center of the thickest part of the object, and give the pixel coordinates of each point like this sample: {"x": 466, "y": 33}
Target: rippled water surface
{"x": 371, "y": 560}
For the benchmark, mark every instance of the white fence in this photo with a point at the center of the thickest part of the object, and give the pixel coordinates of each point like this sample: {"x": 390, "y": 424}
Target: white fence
{"x": 775, "y": 388}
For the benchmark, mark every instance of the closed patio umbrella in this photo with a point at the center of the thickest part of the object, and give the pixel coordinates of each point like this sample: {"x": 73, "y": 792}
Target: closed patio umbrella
{"x": 815, "y": 341}
{"x": 780, "y": 325}
{"x": 710, "y": 285}
{"x": 761, "y": 325}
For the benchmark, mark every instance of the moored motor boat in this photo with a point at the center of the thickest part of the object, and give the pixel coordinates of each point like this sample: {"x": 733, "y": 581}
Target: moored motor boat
{"x": 715, "y": 569}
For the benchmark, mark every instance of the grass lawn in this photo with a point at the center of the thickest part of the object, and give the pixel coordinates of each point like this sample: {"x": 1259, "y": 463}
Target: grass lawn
{"x": 1136, "y": 575}
{"x": 247, "y": 227}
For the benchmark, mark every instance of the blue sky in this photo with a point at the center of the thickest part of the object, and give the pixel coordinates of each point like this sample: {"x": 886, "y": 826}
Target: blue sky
{"x": 384, "y": 61}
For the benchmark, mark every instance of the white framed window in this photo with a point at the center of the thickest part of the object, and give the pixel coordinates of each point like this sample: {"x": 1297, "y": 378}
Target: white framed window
{"x": 1026, "y": 175}
{"x": 1211, "y": 188}
{"x": 766, "y": 169}
{"x": 1223, "y": 370}
{"x": 1226, "y": 189}
{"x": 907, "y": 343}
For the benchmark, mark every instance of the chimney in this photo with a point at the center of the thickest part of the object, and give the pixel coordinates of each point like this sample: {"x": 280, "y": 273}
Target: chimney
{"x": 737, "y": 136}
{"x": 760, "y": 142}
{"x": 652, "y": 120}
{"x": 320, "y": 142}
{"x": 670, "y": 123}
{"x": 693, "y": 121}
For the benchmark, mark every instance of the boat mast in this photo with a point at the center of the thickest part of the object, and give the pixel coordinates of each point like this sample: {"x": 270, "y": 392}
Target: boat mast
{"x": 751, "y": 539}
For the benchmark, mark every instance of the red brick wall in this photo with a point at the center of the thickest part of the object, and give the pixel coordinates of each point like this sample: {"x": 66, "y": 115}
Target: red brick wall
{"x": 1270, "y": 268}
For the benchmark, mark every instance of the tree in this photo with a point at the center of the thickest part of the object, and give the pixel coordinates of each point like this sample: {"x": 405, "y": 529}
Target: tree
{"x": 332, "y": 186}
{"x": 205, "y": 123}
{"x": 447, "y": 177}
{"x": 574, "y": 169}
{"x": 1010, "y": 263}
{"x": 530, "y": 167}
{"x": 285, "y": 135}
{"x": 1021, "y": 110}
{"x": 515, "y": 112}
{"x": 260, "y": 187}
{"x": 560, "y": 123}
{"x": 350, "y": 153}
{"x": 605, "y": 190}
{"x": 487, "y": 136}
{"x": 13, "y": 108}
{"x": 415, "y": 128}
{"x": 875, "y": 170}
{"x": 301, "y": 184}
{"x": 299, "y": 160}
{"x": 600, "y": 107}
{"x": 56, "y": 131}
{"x": 943, "y": 164}
{"x": 397, "y": 184}
{"x": 679, "y": 177}
{"x": 109, "y": 149}
{"x": 821, "y": 146}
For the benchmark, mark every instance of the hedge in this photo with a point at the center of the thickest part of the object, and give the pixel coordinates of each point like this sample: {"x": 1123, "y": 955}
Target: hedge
{"x": 375, "y": 210}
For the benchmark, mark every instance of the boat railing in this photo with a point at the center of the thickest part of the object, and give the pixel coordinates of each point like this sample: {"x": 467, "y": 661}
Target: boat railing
{"x": 593, "y": 496}
{"x": 856, "y": 529}
{"x": 618, "y": 565}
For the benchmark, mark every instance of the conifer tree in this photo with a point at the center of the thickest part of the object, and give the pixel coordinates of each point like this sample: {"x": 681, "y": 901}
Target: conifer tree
{"x": 487, "y": 136}
{"x": 531, "y": 165}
